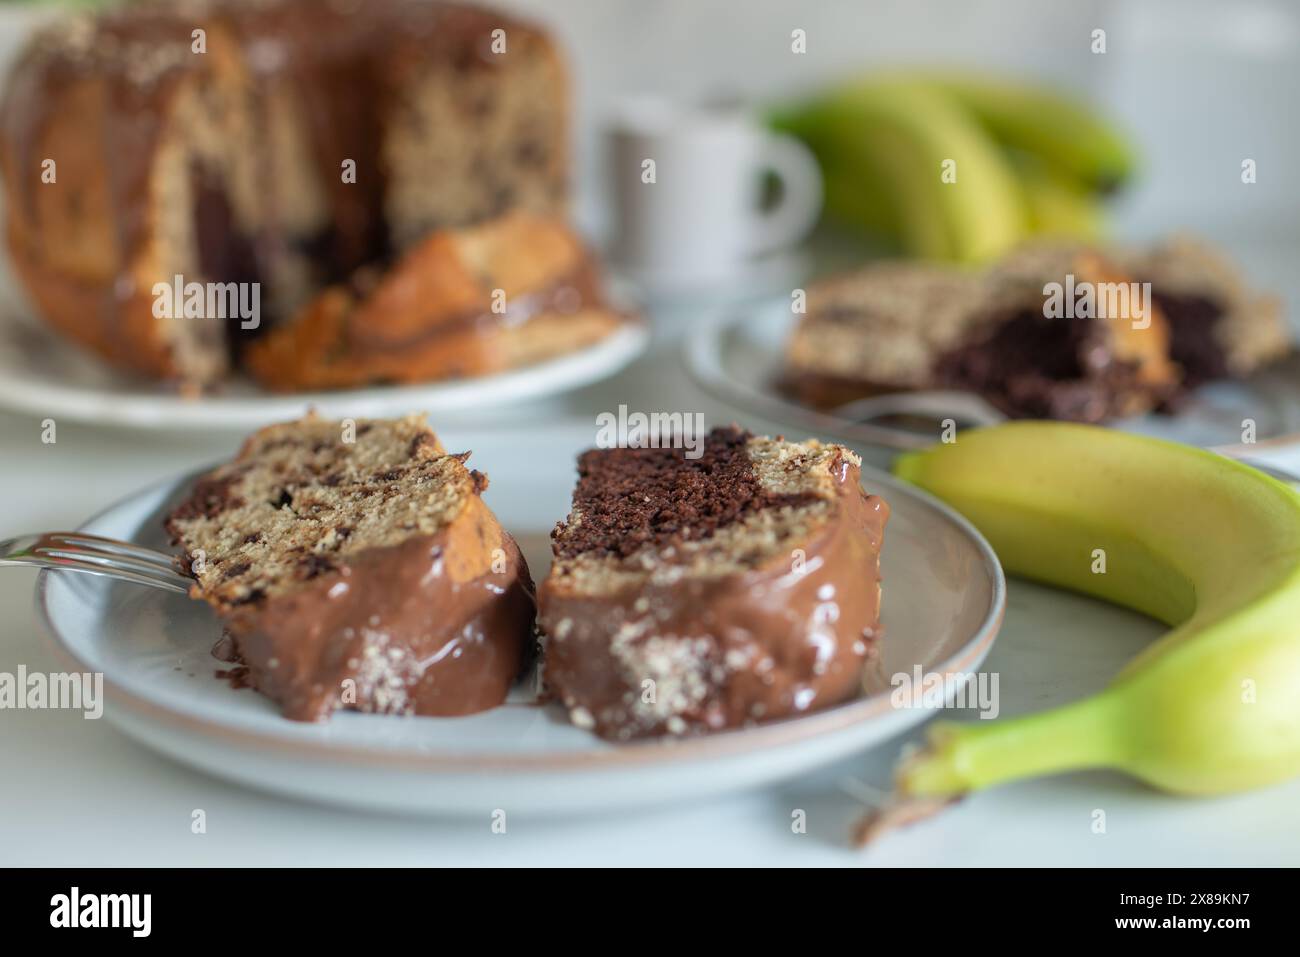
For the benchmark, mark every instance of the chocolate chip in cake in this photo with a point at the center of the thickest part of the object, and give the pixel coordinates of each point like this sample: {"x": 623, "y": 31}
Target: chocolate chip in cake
{"x": 315, "y": 565}
{"x": 210, "y": 498}
{"x": 423, "y": 440}
{"x": 235, "y": 570}
{"x": 254, "y": 595}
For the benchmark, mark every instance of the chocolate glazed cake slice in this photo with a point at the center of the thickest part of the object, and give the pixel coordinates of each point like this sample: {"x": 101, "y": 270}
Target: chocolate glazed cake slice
{"x": 1032, "y": 363}
{"x": 691, "y": 595}
{"x": 356, "y": 566}
{"x": 899, "y": 326}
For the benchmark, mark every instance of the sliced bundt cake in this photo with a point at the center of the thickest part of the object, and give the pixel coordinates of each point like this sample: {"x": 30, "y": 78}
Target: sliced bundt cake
{"x": 893, "y": 327}
{"x": 694, "y": 594}
{"x": 1161, "y": 320}
{"x": 279, "y": 142}
{"x": 355, "y": 565}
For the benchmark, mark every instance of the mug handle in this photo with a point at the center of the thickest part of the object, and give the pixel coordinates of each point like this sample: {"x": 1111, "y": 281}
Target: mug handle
{"x": 801, "y": 194}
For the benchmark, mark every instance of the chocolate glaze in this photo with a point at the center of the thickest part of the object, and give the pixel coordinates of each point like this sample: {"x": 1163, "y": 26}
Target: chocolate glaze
{"x": 394, "y": 330}
{"x": 580, "y": 289}
{"x": 437, "y": 625}
{"x": 767, "y": 643}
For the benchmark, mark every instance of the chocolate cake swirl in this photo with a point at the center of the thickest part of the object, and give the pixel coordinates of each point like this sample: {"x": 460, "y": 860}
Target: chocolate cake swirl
{"x": 697, "y": 594}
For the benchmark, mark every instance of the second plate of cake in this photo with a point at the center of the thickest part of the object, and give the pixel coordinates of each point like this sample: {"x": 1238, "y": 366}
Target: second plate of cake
{"x": 799, "y": 524}
{"x": 888, "y": 354}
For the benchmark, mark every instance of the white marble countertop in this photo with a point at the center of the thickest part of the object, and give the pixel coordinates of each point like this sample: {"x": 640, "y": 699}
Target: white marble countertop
{"x": 78, "y": 792}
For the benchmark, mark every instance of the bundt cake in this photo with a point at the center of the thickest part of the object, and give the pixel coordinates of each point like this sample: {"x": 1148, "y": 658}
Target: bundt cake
{"x": 893, "y": 327}
{"x": 694, "y": 594}
{"x": 355, "y": 565}
{"x": 285, "y": 143}
{"x": 465, "y": 302}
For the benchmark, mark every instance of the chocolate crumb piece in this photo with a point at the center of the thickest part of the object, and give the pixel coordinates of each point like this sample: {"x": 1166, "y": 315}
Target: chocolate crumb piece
{"x": 224, "y": 649}
{"x": 391, "y": 475}
{"x": 252, "y": 538}
{"x": 480, "y": 481}
{"x": 239, "y": 676}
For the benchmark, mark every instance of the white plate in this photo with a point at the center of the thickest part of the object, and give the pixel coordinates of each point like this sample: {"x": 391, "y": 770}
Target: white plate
{"x": 42, "y": 374}
{"x": 738, "y": 358}
{"x": 943, "y": 603}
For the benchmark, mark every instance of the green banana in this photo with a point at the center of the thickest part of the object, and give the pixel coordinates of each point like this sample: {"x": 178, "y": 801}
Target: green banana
{"x": 1062, "y": 130}
{"x": 889, "y": 142}
{"x": 1059, "y": 207}
{"x": 1202, "y": 543}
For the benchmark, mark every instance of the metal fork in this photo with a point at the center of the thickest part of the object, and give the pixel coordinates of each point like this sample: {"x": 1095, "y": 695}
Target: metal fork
{"x": 94, "y": 555}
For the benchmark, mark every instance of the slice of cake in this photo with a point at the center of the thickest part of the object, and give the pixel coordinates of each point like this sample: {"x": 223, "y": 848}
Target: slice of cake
{"x": 895, "y": 327}
{"x": 465, "y": 302}
{"x": 695, "y": 594}
{"x": 355, "y": 565}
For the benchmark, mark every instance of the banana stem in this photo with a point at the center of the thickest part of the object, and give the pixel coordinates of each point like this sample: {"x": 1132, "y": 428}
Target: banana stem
{"x": 968, "y": 757}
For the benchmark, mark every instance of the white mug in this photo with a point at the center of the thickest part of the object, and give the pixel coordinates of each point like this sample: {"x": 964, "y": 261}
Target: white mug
{"x": 687, "y": 191}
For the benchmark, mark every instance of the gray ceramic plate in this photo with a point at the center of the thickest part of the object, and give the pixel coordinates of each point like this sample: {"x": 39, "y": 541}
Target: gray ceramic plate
{"x": 45, "y": 375}
{"x": 943, "y": 603}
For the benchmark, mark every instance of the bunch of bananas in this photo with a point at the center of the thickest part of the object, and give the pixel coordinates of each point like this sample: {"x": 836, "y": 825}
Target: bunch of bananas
{"x": 1205, "y": 544}
{"x": 960, "y": 166}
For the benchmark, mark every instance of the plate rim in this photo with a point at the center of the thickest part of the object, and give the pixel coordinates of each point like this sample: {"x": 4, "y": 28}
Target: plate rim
{"x": 641, "y": 753}
{"x": 703, "y": 359}
{"x": 94, "y": 406}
